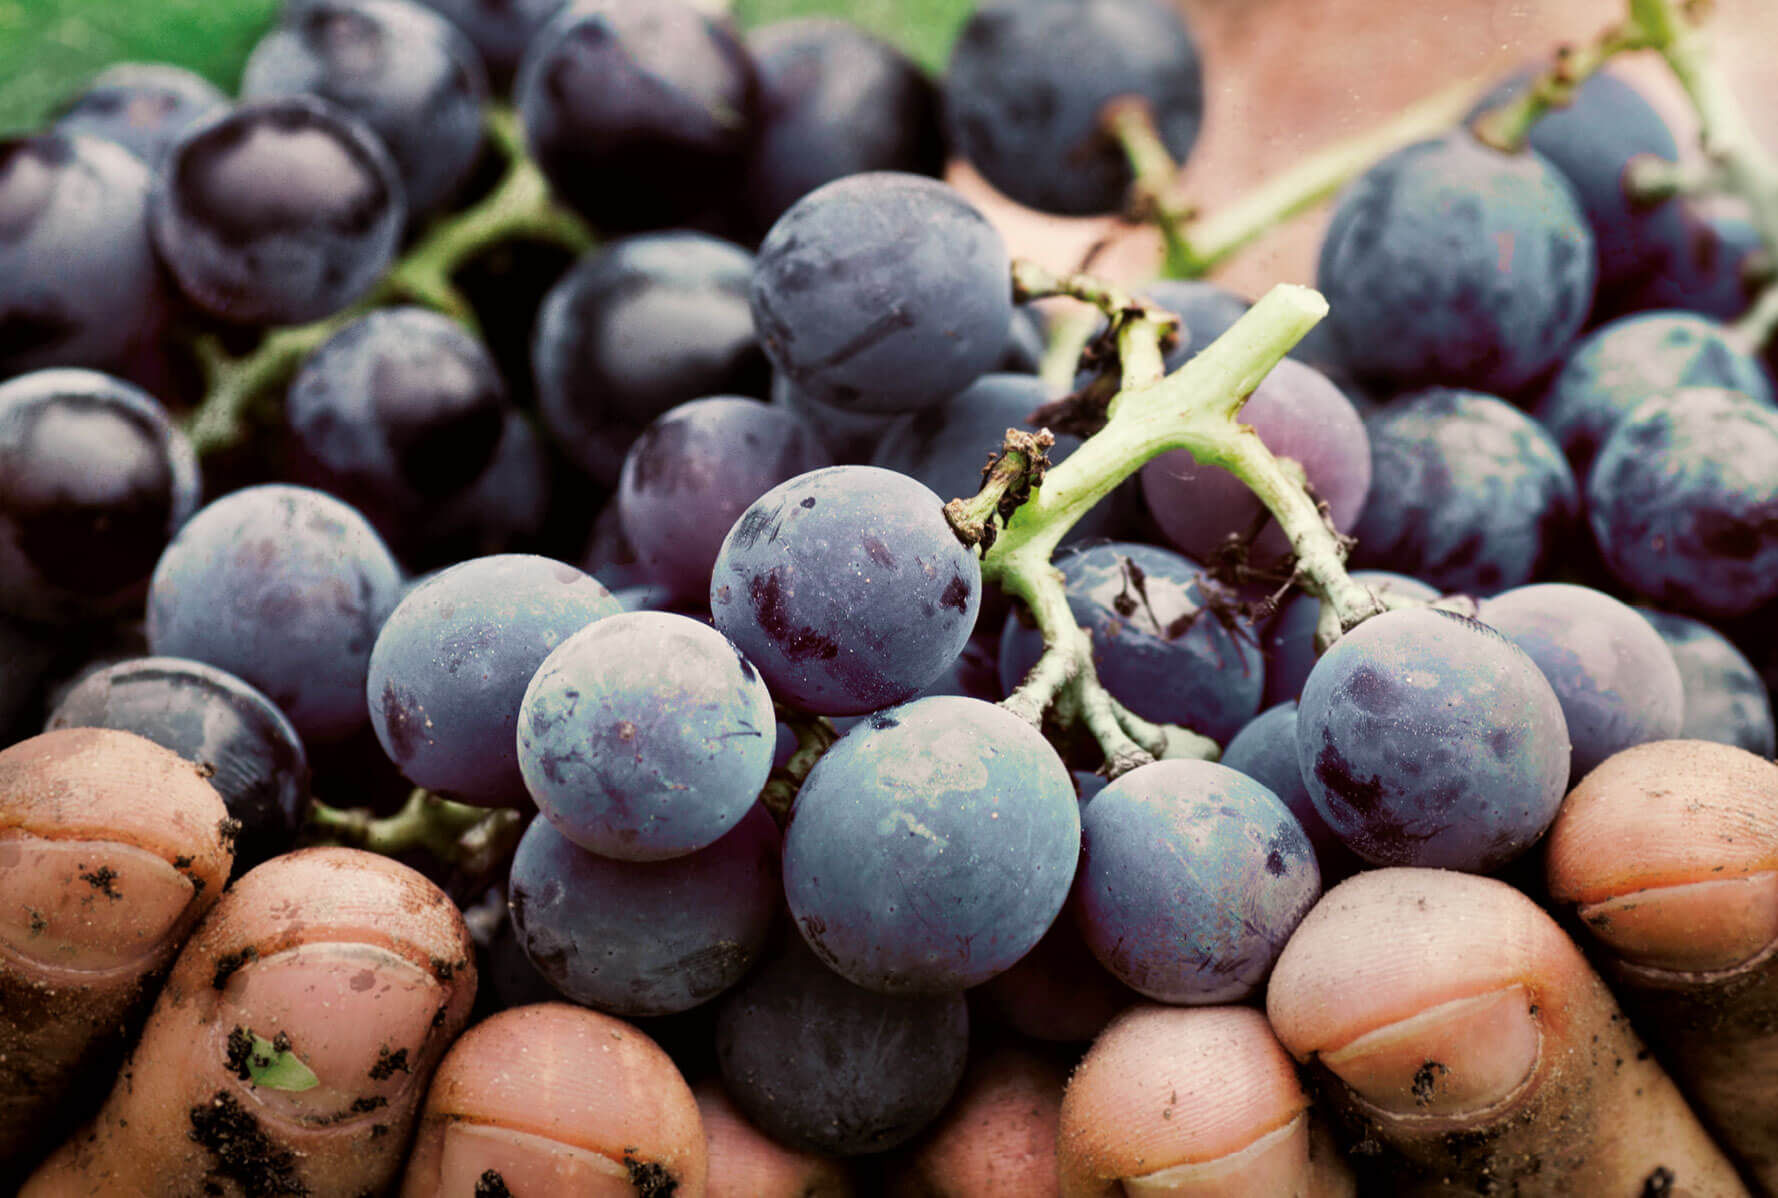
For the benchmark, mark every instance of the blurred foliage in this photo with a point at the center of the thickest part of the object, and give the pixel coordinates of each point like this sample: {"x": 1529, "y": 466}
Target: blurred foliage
{"x": 924, "y": 28}
{"x": 48, "y": 48}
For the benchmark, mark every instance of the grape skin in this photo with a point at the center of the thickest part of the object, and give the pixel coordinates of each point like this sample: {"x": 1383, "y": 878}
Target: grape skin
{"x": 645, "y": 736}
{"x": 882, "y": 292}
{"x": 639, "y": 938}
{"x": 847, "y": 589}
{"x": 448, "y": 672}
{"x": 284, "y": 587}
{"x": 1265, "y": 750}
{"x": 931, "y": 847}
{"x": 1192, "y": 876}
{"x": 1290, "y": 638}
{"x": 1725, "y": 698}
{"x": 142, "y": 106}
{"x": 1429, "y": 739}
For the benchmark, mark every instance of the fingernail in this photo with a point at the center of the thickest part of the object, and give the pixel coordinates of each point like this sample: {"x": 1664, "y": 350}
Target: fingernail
{"x": 530, "y": 1164}
{"x": 1276, "y": 1163}
{"x": 1458, "y": 1058}
{"x": 86, "y": 905}
{"x": 1694, "y": 927}
{"x": 357, "y": 1016}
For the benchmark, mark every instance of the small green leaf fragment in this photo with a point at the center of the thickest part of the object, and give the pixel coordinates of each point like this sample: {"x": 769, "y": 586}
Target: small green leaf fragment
{"x": 273, "y": 1065}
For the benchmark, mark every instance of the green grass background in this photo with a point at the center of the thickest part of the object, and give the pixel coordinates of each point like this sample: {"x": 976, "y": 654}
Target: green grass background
{"x": 48, "y": 48}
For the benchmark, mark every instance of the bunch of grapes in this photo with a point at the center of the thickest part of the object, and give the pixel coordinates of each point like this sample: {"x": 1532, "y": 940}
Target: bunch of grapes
{"x": 544, "y": 549}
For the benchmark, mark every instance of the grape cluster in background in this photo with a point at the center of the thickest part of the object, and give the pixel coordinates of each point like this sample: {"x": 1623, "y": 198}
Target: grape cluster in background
{"x": 589, "y": 453}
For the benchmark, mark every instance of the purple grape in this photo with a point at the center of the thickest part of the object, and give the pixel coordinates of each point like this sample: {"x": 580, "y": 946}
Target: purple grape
{"x": 1625, "y": 362}
{"x": 645, "y": 736}
{"x": 836, "y": 102}
{"x": 286, "y": 588}
{"x": 820, "y": 1064}
{"x": 448, "y": 672}
{"x": 1265, "y": 750}
{"x": 406, "y": 72}
{"x": 94, "y": 482}
{"x": 142, "y": 106}
{"x": 397, "y": 413}
{"x": 691, "y": 474}
{"x": 1429, "y": 739}
{"x": 882, "y": 292}
{"x": 499, "y": 29}
{"x": 212, "y": 718}
{"x": 1028, "y": 83}
{"x": 641, "y": 112}
{"x": 637, "y": 328}
{"x": 1300, "y": 416}
{"x": 850, "y": 437}
{"x": 277, "y": 212}
{"x": 1681, "y": 502}
{"x": 1289, "y": 640}
{"x": 1715, "y": 265}
{"x": 847, "y": 588}
{"x": 78, "y": 280}
{"x": 1479, "y": 495}
{"x": 502, "y": 511}
{"x": 1192, "y": 876}
{"x": 1725, "y": 698}
{"x": 1451, "y": 263}
{"x": 931, "y": 847}
{"x": 1166, "y": 641}
{"x": 645, "y": 937}
{"x": 1613, "y": 674}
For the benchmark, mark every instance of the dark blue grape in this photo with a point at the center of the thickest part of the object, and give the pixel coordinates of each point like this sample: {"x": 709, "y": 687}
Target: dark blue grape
{"x": 503, "y": 510}
{"x": 645, "y": 736}
{"x": 691, "y": 474}
{"x": 1192, "y": 876}
{"x": 847, "y": 589}
{"x": 26, "y": 657}
{"x": 1592, "y": 140}
{"x": 286, "y": 588}
{"x": 450, "y": 666}
{"x": 1166, "y": 640}
{"x": 277, "y": 212}
{"x": 499, "y": 29}
{"x": 1301, "y": 416}
{"x": 828, "y": 1067}
{"x": 641, "y": 112}
{"x": 142, "y": 106}
{"x": 1289, "y": 640}
{"x": 947, "y": 447}
{"x": 882, "y": 292}
{"x": 1614, "y": 676}
{"x": 645, "y": 937}
{"x": 78, "y": 280}
{"x": 931, "y": 847}
{"x": 1429, "y": 739}
{"x": 1625, "y": 362}
{"x": 406, "y": 72}
{"x": 1265, "y": 750}
{"x": 1683, "y": 502}
{"x": 94, "y": 481}
{"x": 255, "y": 760}
{"x": 1028, "y": 83}
{"x": 1714, "y": 267}
{"x": 836, "y": 101}
{"x": 397, "y": 413}
{"x": 637, "y": 328}
{"x": 851, "y": 437}
{"x": 1451, "y": 263}
{"x": 1725, "y": 698}
{"x": 1026, "y": 341}
{"x": 1479, "y": 495}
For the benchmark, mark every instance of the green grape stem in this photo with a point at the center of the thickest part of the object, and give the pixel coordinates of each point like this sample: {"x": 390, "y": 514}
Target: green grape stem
{"x": 473, "y": 838}
{"x": 519, "y": 207}
{"x": 1508, "y": 126}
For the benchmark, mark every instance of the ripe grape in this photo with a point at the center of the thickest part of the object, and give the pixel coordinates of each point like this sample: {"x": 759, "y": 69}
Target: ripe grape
{"x": 1192, "y": 876}
{"x": 1725, "y": 698}
{"x": 278, "y": 211}
{"x": 1265, "y": 750}
{"x": 499, "y": 29}
{"x": 847, "y": 589}
{"x": 1289, "y": 640}
{"x": 1029, "y": 81}
{"x": 931, "y": 847}
{"x": 448, "y": 672}
{"x": 882, "y": 292}
{"x": 142, "y": 106}
{"x": 1429, "y": 739}
{"x": 645, "y": 736}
